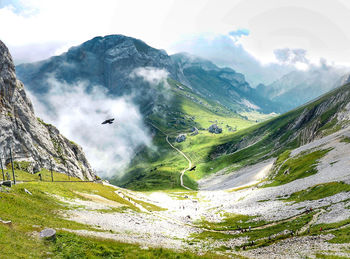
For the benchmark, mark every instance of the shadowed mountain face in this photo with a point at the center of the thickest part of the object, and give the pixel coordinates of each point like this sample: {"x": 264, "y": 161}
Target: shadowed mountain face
{"x": 113, "y": 61}
{"x": 33, "y": 141}
{"x": 299, "y": 87}
{"x": 222, "y": 85}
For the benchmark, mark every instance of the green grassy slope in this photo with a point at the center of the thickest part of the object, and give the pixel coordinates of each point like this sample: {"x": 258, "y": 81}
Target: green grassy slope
{"x": 29, "y": 214}
{"x": 250, "y": 143}
{"x": 159, "y": 167}
{"x": 285, "y": 132}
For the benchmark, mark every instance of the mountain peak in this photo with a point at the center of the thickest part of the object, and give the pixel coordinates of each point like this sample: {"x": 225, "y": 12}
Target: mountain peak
{"x": 7, "y": 67}
{"x": 109, "y": 42}
{"x": 186, "y": 59}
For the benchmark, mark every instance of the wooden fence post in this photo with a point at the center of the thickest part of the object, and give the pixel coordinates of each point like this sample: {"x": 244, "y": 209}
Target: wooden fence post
{"x": 51, "y": 170}
{"x": 2, "y": 169}
{"x": 13, "y": 169}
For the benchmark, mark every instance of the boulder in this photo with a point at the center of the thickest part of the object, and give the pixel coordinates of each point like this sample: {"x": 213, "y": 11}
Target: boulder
{"x": 180, "y": 138}
{"x": 194, "y": 131}
{"x": 215, "y": 129}
{"x": 7, "y": 183}
{"x": 48, "y": 234}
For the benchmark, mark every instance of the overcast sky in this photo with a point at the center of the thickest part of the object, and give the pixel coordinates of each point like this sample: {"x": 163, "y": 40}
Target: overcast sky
{"x": 37, "y": 29}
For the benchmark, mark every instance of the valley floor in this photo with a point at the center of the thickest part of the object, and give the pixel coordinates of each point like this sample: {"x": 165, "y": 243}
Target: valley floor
{"x": 239, "y": 214}
{"x": 218, "y": 217}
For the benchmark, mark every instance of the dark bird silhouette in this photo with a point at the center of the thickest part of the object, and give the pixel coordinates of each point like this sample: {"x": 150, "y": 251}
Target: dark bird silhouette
{"x": 193, "y": 168}
{"x": 109, "y": 121}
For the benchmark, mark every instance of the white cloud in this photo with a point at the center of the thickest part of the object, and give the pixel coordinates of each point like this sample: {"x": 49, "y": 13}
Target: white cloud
{"x": 320, "y": 27}
{"x": 157, "y": 79}
{"x": 78, "y": 115}
{"x": 151, "y": 75}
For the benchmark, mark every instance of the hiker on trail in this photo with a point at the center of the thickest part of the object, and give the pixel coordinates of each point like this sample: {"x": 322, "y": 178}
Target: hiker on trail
{"x": 40, "y": 177}
{"x": 8, "y": 176}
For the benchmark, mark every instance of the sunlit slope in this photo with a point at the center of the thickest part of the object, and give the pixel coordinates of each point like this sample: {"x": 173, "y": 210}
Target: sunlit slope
{"x": 158, "y": 167}
{"x": 233, "y": 150}
{"x": 28, "y": 208}
{"x": 314, "y": 120}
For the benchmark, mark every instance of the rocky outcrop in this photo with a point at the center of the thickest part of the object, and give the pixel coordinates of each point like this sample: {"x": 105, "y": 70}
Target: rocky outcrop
{"x": 32, "y": 140}
{"x": 180, "y": 138}
{"x": 215, "y": 129}
{"x": 194, "y": 131}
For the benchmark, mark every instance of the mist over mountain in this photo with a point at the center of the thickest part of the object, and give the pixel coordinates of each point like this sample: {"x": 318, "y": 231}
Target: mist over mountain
{"x": 225, "y": 51}
{"x": 33, "y": 142}
{"x": 110, "y": 61}
{"x": 299, "y": 87}
{"x": 291, "y": 80}
{"x": 122, "y": 68}
{"x": 127, "y": 71}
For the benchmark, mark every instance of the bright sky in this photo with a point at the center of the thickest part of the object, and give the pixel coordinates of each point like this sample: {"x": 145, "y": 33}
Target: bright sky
{"x": 37, "y": 29}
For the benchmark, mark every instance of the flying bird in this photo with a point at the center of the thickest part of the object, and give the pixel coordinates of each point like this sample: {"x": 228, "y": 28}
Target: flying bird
{"x": 109, "y": 121}
{"x": 193, "y": 168}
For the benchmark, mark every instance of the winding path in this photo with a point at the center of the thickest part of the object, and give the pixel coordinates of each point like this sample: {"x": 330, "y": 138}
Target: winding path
{"x": 189, "y": 163}
{"x": 182, "y": 153}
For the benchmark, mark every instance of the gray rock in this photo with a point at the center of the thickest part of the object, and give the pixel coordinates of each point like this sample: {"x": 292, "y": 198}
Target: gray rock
{"x": 31, "y": 139}
{"x": 194, "y": 133}
{"x": 7, "y": 183}
{"x": 48, "y": 233}
{"x": 215, "y": 129}
{"x": 180, "y": 138}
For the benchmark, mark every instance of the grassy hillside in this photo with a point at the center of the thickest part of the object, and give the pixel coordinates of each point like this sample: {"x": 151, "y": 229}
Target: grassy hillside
{"x": 159, "y": 167}
{"x": 29, "y": 214}
{"x": 251, "y": 143}
{"x": 285, "y": 132}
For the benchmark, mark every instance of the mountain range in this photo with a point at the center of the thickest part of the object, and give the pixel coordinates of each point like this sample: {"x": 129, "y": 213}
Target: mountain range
{"x": 110, "y": 61}
{"x": 171, "y": 91}
{"x": 236, "y": 181}
{"x": 299, "y": 87}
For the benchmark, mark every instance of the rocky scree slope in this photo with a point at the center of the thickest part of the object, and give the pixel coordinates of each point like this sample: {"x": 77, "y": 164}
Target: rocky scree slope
{"x": 30, "y": 138}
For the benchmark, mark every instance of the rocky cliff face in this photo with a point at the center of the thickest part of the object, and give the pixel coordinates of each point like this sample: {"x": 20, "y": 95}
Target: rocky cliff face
{"x": 30, "y": 138}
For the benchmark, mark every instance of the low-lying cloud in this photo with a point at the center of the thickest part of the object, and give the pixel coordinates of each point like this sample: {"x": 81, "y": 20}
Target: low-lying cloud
{"x": 78, "y": 116}
{"x": 291, "y": 56}
{"x": 151, "y": 75}
{"x": 156, "y": 78}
